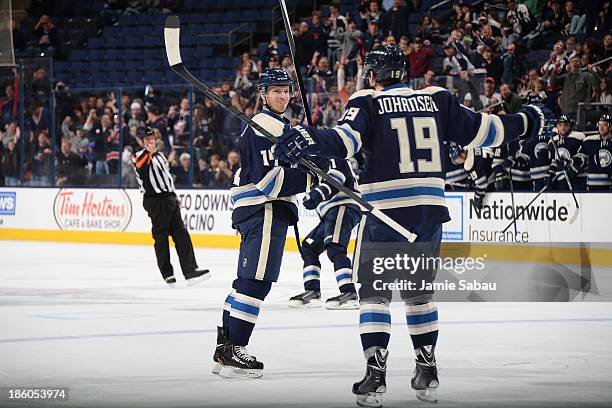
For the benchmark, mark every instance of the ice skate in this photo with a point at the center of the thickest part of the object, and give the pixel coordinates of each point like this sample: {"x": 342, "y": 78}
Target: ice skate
{"x": 170, "y": 281}
{"x": 369, "y": 390}
{"x": 197, "y": 276}
{"x": 219, "y": 349}
{"x": 306, "y": 299}
{"x": 425, "y": 380}
{"x": 236, "y": 362}
{"x": 344, "y": 301}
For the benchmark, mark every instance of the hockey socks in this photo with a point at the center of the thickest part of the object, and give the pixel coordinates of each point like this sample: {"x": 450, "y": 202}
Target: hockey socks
{"x": 422, "y": 323}
{"x": 245, "y": 304}
{"x": 374, "y": 326}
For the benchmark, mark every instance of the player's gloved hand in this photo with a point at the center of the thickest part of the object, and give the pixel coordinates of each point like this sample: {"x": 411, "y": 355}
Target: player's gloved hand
{"x": 540, "y": 121}
{"x": 479, "y": 199}
{"x": 294, "y": 144}
{"x": 324, "y": 191}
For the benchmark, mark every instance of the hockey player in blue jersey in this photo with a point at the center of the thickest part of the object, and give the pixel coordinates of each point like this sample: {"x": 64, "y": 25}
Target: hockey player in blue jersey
{"x": 595, "y": 156}
{"x": 339, "y": 215}
{"x": 263, "y": 209}
{"x": 568, "y": 142}
{"x": 402, "y": 133}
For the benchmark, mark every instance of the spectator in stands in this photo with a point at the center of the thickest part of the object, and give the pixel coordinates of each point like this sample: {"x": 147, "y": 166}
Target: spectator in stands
{"x": 319, "y": 33}
{"x": 7, "y": 105}
{"x": 552, "y": 16}
{"x": 419, "y": 61}
{"x": 461, "y": 12}
{"x": 511, "y": 67}
{"x": 347, "y": 87}
{"x": 40, "y": 119}
{"x": 181, "y": 171}
{"x": 395, "y": 21}
{"x": 375, "y": 12}
{"x": 19, "y": 39}
{"x": 156, "y": 121}
{"x": 333, "y": 112}
{"x": 271, "y": 50}
{"x": 136, "y": 118}
{"x": 11, "y": 132}
{"x": 453, "y": 63}
{"x": 349, "y": 47}
{"x": 490, "y": 62}
{"x": 179, "y": 123}
{"x": 535, "y": 93}
{"x": 605, "y": 91}
{"x": 10, "y": 164}
{"x": 203, "y": 177}
{"x": 508, "y": 37}
{"x": 100, "y": 132}
{"x": 245, "y": 84}
{"x": 371, "y": 37}
{"x": 222, "y": 174}
{"x": 428, "y": 79}
{"x": 316, "y": 110}
{"x": 573, "y": 21}
{"x": 41, "y": 161}
{"x": 71, "y": 168}
{"x": 489, "y": 92}
{"x": 336, "y": 21}
{"x": 47, "y": 37}
{"x": 423, "y": 28}
{"x": 128, "y": 175}
{"x": 512, "y": 102}
{"x": 304, "y": 42}
{"x": 321, "y": 74}
{"x": 40, "y": 88}
{"x": 437, "y": 32}
{"x": 233, "y": 162}
{"x": 577, "y": 86}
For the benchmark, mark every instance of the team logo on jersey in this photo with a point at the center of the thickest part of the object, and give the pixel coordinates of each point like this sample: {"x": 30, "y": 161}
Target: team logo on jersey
{"x": 564, "y": 153}
{"x": 605, "y": 158}
{"x": 539, "y": 148}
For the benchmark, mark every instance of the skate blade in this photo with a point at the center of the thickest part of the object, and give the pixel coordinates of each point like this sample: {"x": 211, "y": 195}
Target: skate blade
{"x": 216, "y": 368}
{"x": 428, "y": 395}
{"x": 299, "y": 305}
{"x": 352, "y": 305}
{"x": 372, "y": 399}
{"x": 198, "y": 280}
{"x": 233, "y": 372}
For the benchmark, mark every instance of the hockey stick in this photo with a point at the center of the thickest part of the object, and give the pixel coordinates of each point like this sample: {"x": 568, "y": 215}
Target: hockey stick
{"x": 569, "y": 183}
{"x": 171, "y": 38}
{"x": 542, "y": 190}
{"x": 287, "y": 23}
{"x": 512, "y": 199}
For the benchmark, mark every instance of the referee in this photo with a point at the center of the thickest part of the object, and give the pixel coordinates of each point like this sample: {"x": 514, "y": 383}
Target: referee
{"x": 163, "y": 206}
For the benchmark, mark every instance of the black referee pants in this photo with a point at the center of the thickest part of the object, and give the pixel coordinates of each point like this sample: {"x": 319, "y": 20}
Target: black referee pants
{"x": 166, "y": 218}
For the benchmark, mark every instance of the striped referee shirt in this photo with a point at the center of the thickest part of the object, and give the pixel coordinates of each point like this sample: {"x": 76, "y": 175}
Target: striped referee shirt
{"x": 153, "y": 173}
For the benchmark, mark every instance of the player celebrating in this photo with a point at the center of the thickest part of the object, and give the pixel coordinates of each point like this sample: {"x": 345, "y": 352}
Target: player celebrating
{"x": 595, "y": 156}
{"x": 402, "y": 133}
{"x": 339, "y": 215}
{"x": 263, "y": 209}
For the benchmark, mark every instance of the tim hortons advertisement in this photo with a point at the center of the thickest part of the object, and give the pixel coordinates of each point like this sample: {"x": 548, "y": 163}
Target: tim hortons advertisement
{"x": 92, "y": 210}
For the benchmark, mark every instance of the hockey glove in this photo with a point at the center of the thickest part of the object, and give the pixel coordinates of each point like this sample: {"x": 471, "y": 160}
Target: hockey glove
{"x": 323, "y": 192}
{"x": 540, "y": 121}
{"x": 294, "y": 144}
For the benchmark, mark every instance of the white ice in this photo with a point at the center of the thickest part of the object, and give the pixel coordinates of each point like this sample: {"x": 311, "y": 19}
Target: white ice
{"x": 98, "y": 319}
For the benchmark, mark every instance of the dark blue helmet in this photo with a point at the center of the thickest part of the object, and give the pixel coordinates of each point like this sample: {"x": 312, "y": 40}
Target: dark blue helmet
{"x": 387, "y": 62}
{"x": 565, "y": 119}
{"x": 274, "y": 77}
{"x": 606, "y": 118}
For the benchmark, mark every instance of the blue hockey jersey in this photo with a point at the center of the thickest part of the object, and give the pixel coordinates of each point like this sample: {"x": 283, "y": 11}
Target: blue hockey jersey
{"x": 262, "y": 179}
{"x": 402, "y": 133}
{"x": 597, "y": 154}
{"x": 341, "y": 171}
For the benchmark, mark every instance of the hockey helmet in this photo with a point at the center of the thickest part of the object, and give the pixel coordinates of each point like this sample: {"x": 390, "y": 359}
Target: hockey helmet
{"x": 606, "y": 118}
{"x": 565, "y": 119}
{"x": 387, "y": 62}
{"x": 144, "y": 131}
{"x": 274, "y": 77}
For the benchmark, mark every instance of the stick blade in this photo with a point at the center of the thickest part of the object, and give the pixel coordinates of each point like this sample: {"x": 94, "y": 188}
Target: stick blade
{"x": 172, "y": 31}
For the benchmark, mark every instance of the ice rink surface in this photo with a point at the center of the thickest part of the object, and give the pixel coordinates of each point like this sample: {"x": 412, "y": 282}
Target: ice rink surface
{"x": 99, "y": 320}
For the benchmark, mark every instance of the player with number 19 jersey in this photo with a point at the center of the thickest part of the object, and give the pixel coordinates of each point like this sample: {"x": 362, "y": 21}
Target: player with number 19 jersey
{"x": 402, "y": 133}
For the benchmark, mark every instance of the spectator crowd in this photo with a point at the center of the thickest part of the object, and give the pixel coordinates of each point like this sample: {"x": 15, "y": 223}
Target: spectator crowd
{"x": 495, "y": 56}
